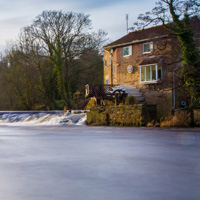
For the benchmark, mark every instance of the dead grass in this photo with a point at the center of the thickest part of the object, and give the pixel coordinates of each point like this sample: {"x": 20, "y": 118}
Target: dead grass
{"x": 91, "y": 103}
{"x": 180, "y": 119}
{"x": 151, "y": 124}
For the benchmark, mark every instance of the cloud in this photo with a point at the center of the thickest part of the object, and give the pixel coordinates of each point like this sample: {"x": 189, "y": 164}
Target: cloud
{"x": 107, "y": 15}
{"x": 10, "y": 28}
{"x": 113, "y": 18}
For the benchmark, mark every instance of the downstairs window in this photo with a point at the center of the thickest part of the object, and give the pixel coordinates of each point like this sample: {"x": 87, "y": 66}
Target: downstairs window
{"x": 150, "y": 73}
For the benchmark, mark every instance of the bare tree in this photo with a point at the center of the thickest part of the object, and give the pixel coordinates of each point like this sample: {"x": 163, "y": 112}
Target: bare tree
{"x": 62, "y": 38}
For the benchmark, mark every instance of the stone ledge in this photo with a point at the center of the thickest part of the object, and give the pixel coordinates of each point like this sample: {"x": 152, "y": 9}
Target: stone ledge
{"x": 133, "y": 115}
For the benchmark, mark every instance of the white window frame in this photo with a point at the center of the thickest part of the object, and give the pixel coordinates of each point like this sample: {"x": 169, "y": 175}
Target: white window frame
{"x": 114, "y": 69}
{"x": 151, "y": 47}
{"x": 110, "y": 60}
{"x": 152, "y": 81}
{"x": 105, "y": 63}
{"x": 129, "y": 49}
{"x": 107, "y": 80}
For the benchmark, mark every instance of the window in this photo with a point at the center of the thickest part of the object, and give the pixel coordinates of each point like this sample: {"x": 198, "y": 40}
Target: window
{"x": 110, "y": 60}
{"x": 150, "y": 73}
{"x": 114, "y": 69}
{"x": 147, "y": 47}
{"x": 105, "y": 63}
{"x": 159, "y": 71}
{"x": 127, "y": 51}
{"x": 107, "y": 80}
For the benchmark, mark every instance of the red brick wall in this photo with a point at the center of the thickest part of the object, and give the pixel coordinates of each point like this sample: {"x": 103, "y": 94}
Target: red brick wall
{"x": 107, "y": 69}
{"x": 160, "y": 94}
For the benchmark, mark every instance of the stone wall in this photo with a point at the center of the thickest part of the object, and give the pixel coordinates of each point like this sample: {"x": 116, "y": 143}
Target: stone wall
{"x": 163, "y": 100}
{"x": 133, "y": 115}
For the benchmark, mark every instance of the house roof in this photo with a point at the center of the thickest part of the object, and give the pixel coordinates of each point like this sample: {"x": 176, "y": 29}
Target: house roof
{"x": 136, "y": 36}
{"x": 151, "y": 60}
{"x": 148, "y": 34}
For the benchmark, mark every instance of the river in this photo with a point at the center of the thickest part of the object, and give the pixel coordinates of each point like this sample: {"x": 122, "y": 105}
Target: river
{"x": 35, "y": 118}
{"x": 70, "y": 162}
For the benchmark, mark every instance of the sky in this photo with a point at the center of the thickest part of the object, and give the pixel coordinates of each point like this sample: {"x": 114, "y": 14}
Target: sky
{"x": 109, "y": 15}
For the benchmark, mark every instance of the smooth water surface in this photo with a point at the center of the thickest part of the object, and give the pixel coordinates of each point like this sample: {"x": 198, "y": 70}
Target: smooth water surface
{"x": 99, "y": 163}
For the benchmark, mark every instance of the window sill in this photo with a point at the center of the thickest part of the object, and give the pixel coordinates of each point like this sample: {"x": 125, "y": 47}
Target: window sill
{"x": 146, "y": 52}
{"x": 150, "y": 82}
{"x": 126, "y": 56}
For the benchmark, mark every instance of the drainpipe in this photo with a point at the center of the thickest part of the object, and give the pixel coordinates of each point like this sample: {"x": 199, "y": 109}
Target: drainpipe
{"x": 111, "y": 54}
{"x": 174, "y": 90}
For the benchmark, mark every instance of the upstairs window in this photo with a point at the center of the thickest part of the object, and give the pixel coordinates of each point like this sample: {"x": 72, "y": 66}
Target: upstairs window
{"x": 147, "y": 47}
{"x": 127, "y": 51}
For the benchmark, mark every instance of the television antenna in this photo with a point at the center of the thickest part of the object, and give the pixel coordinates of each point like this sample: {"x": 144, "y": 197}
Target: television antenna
{"x": 128, "y": 28}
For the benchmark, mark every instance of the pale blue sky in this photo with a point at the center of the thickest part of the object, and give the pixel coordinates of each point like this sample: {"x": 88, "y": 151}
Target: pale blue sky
{"x": 108, "y": 15}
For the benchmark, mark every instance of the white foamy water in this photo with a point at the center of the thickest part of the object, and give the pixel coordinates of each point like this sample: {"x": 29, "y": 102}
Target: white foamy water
{"x": 31, "y": 118}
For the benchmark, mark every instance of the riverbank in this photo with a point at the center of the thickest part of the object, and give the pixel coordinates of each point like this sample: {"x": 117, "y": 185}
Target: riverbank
{"x": 140, "y": 115}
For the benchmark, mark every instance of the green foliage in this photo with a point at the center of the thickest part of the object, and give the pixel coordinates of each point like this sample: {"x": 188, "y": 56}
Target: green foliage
{"x": 190, "y": 56}
{"x": 184, "y": 16}
{"x": 87, "y": 70}
{"x": 54, "y": 57}
{"x": 60, "y": 104}
{"x": 130, "y": 100}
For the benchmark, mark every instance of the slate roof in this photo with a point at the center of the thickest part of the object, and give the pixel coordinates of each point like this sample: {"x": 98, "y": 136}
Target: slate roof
{"x": 141, "y": 35}
{"x": 149, "y": 33}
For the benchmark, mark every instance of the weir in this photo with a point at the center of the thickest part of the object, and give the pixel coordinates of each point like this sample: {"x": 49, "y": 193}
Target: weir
{"x": 31, "y": 118}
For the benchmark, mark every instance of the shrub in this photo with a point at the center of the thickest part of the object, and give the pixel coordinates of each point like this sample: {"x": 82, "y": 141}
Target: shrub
{"x": 180, "y": 119}
{"x": 130, "y": 100}
{"x": 151, "y": 124}
{"x": 108, "y": 103}
{"x": 60, "y": 104}
{"x": 91, "y": 103}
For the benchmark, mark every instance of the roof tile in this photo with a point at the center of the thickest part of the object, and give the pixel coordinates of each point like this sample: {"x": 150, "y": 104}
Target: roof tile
{"x": 152, "y": 60}
{"x": 141, "y": 34}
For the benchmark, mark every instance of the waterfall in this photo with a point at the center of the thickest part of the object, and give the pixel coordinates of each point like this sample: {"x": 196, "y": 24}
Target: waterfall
{"x": 31, "y": 118}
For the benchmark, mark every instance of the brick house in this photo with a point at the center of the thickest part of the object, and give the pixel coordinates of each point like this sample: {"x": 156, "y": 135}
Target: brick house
{"x": 147, "y": 59}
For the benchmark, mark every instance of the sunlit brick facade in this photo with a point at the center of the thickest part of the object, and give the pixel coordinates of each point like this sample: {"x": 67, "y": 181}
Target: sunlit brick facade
{"x": 147, "y": 59}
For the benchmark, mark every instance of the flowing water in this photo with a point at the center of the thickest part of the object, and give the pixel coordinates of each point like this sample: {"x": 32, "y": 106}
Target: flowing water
{"x": 46, "y": 156}
{"x": 32, "y": 118}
